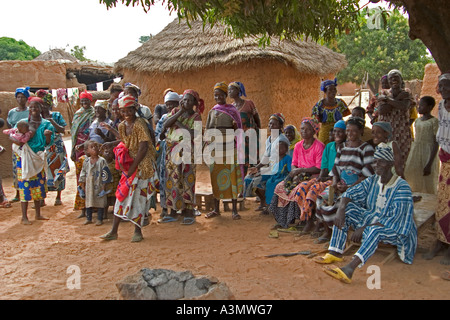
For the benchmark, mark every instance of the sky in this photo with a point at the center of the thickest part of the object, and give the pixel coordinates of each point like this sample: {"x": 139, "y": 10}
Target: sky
{"x": 108, "y": 35}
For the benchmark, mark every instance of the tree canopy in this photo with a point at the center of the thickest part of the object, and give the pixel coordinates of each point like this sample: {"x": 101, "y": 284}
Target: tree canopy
{"x": 11, "y": 49}
{"x": 315, "y": 19}
{"x": 376, "y": 51}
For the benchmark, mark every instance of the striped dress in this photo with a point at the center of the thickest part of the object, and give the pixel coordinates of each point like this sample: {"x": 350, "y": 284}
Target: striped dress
{"x": 390, "y": 205}
{"x": 353, "y": 162}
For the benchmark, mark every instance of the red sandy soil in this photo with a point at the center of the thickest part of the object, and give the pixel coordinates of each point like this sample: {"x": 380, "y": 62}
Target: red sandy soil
{"x": 35, "y": 258}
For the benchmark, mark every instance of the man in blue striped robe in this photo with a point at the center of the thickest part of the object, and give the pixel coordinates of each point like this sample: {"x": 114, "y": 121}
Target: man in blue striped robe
{"x": 379, "y": 209}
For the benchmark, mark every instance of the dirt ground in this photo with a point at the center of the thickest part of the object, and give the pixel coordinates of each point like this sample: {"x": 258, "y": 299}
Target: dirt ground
{"x": 36, "y": 259}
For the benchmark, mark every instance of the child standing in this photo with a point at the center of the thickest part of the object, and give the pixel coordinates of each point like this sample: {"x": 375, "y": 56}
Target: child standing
{"x": 422, "y": 167}
{"x": 382, "y": 137}
{"x": 111, "y": 187}
{"x": 92, "y": 182}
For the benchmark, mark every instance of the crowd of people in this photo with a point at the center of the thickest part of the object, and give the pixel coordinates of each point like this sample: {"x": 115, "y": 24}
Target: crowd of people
{"x": 332, "y": 175}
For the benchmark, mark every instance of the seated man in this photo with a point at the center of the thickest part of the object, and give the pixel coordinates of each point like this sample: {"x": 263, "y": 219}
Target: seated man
{"x": 379, "y": 209}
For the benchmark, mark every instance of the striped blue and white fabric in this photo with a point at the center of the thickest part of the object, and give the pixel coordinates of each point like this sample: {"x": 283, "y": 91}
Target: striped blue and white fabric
{"x": 390, "y": 205}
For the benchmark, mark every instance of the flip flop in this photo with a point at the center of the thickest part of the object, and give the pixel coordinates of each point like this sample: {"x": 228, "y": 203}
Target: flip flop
{"x": 167, "y": 219}
{"x": 15, "y": 199}
{"x": 327, "y": 259}
{"x": 236, "y": 216}
{"x": 288, "y": 230}
{"x": 338, "y": 274}
{"x": 273, "y": 234}
{"x": 5, "y": 204}
{"x": 188, "y": 221}
{"x": 108, "y": 236}
{"x": 212, "y": 214}
{"x": 446, "y": 275}
{"x": 58, "y": 202}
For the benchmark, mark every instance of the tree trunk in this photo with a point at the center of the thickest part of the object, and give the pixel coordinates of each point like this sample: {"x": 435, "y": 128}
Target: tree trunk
{"x": 429, "y": 22}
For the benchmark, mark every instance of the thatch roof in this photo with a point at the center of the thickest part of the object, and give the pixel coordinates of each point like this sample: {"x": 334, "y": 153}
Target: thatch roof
{"x": 56, "y": 54}
{"x": 179, "y": 48}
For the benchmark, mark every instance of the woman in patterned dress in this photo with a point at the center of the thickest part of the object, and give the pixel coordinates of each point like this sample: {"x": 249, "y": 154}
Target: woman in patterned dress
{"x": 226, "y": 178}
{"x": 249, "y": 117}
{"x": 136, "y": 187}
{"x": 329, "y": 110}
{"x": 58, "y": 164}
{"x": 35, "y": 187}
{"x": 180, "y": 170}
{"x": 81, "y": 122}
{"x": 393, "y": 106}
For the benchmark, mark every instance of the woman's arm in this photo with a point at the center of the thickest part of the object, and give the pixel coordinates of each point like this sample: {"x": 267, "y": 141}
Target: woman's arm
{"x": 58, "y": 128}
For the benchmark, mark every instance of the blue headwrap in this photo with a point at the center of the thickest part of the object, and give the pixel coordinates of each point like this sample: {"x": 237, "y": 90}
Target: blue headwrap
{"x": 384, "y": 153}
{"x": 340, "y": 124}
{"x": 240, "y": 86}
{"x": 24, "y": 91}
{"x": 386, "y": 126}
{"x": 328, "y": 83}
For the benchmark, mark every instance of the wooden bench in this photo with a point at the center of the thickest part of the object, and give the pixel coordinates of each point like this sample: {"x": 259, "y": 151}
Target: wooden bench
{"x": 227, "y": 204}
{"x": 204, "y": 199}
{"x": 423, "y": 216}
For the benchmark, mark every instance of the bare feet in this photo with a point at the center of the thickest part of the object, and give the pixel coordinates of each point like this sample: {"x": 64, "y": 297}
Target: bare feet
{"x": 26, "y": 222}
{"x": 41, "y": 218}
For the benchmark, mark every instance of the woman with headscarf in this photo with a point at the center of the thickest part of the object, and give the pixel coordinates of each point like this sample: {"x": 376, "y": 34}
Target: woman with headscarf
{"x": 249, "y": 116}
{"x": 255, "y": 180}
{"x": 226, "y": 178}
{"x": 14, "y": 115}
{"x": 329, "y": 110}
{"x": 306, "y": 163}
{"x": 58, "y": 164}
{"x": 81, "y": 122}
{"x": 291, "y": 132}
{"x": 32, "y": 185}
{"x": 394, "y": 107}
{"x": 171, "y": 101}
{"x": 180, "y": 167}
{"x": 136, "y": 158}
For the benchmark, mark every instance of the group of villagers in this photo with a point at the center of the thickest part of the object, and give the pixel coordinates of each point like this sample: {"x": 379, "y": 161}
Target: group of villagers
{"x": 321, "y": 179}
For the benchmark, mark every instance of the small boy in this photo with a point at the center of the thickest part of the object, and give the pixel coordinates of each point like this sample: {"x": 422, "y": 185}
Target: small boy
{"x": 111, "y": 187}
{"x": 93, "y": 177}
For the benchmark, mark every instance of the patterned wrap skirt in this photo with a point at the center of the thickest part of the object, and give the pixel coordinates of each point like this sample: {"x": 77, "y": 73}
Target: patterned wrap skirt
{"x": 33, "y": 189}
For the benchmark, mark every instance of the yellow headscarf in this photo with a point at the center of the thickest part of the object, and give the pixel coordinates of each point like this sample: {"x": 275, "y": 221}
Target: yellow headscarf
{"x": 297, "y": 136}
{"x": 221, "y": 86}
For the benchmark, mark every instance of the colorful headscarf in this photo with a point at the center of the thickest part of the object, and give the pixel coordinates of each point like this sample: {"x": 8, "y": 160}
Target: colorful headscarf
{"x": 127, "y": 101}
{"x": 24, "y": 91}
{"x": 200, "y": 102}
{"x": 45, "y": 96}
{"x": 86, "y": 95}
{"x": 297, "y": 136}
{"x": 167, "y": 91}
{"x": 325, "y": 84}
{"x": 340, "y": 124}
{"x": 240, "y": 86}
{"x": 135, "y": 87}
{"x": 384, "y": 153}
{"x": 35, "y": 99}
{"x": 41, "y": 93}
{"x": 102, "y": 104}
{"x": 313, "y": 122}
{"x": 386, "y": 126}
{"x": 221, "y": 86}
{"x": 278, "y": 116}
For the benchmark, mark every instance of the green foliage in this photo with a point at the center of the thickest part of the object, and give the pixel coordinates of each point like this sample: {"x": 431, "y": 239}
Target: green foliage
{"x": 11, "y": 49}
{"x": 315, "y": 19}
{"x": 78, "y": 52}
{"x": 376, "y": 51}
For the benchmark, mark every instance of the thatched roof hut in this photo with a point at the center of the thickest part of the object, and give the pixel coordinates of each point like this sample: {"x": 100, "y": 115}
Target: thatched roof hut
{"x": 281, "y": 77}
{"x": 56, "y": 54}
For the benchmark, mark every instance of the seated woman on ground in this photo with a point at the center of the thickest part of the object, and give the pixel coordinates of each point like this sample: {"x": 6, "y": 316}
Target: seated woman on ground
{"x": 353, "y": 164}
{"x": 306, "y": 163}
{"x": 255, "y": 181}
